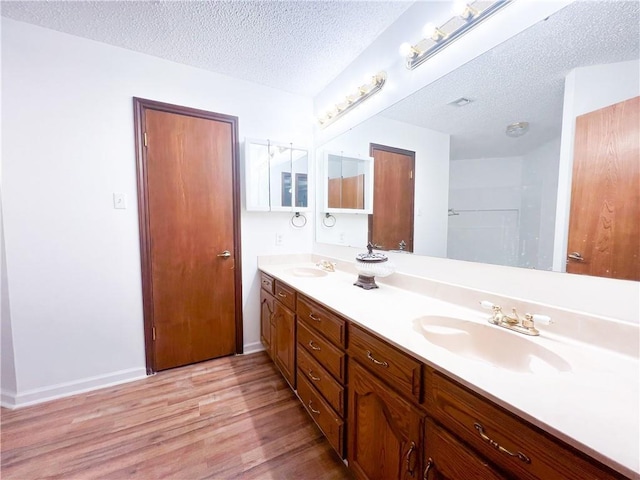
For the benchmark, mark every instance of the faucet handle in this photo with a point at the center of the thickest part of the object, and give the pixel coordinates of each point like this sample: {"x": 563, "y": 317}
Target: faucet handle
{"x": 488, "y": 305}
{"x": 536, "y": 317}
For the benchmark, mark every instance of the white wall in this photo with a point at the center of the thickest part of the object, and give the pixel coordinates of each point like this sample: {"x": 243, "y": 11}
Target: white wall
{"x": 538, "y": 209}
{"x": 586, "y": 89}
{"x": 431, "y": 181}
{"x": 72, "y": 260}
{"x": 7, "y": 367}
{"x": 486, "y": 193}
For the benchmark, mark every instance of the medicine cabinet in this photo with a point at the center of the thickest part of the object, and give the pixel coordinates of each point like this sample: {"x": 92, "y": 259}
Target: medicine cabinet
{"x": 276, "y": 176}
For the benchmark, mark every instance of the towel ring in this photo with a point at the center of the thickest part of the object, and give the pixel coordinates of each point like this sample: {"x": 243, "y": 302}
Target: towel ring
{"x": 298, "y": 223}
{"x": 328, "y": 224}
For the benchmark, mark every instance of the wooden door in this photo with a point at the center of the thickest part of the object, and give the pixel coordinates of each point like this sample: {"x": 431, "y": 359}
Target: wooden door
{"x": 384, "y": 430}
{"x": 393, "y": 195}
{"x": 283, "y": 342}
{"x": 190, "y": 243}
{"x": 604, "y": 222}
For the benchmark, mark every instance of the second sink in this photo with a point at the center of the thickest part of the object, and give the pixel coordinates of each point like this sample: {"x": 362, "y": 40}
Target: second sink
{"x": 490, "y": 344}
{"x": 306, "y": 272}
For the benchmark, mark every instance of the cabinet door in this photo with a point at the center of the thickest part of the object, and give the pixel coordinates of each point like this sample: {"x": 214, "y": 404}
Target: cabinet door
{"x": 266, "y": 315}
{"x": 446, "y": 458}
{"x": 384, "y": 430}
{"x": 284, "y": 342}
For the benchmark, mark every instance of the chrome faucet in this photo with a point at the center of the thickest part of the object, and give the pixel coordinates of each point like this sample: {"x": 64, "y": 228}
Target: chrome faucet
{"x": 326, "y": 265}
{"x": 513, "y": 321}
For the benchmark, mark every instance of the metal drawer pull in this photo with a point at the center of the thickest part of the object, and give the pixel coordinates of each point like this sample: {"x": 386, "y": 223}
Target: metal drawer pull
{"x": 499, "y": 447}
{"x": 412, "y": 448}
{"x": 312, "y": 377}
{"x": 311, "y": 408}
{"x": 377, "y": 362}
{"x": 283, "y": 295}
{"x": 425, "y": 475}
{"x": 313, "y": 347}
{"x": 314, "y": 318}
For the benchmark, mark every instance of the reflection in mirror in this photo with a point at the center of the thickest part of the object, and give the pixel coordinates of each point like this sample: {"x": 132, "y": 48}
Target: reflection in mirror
{"x": 348, "y": 183}
{"x": 276, "y": 176}
{"x": 489, "y": 195}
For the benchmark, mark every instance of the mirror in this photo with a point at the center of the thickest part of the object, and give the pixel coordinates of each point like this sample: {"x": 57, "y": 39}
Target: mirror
{"x": 276, "y": 176}
{"x": 348, "y": 183}
{"x": 482, "y": 195}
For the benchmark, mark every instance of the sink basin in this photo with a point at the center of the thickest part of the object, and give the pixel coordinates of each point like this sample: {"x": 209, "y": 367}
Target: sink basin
{"x": 490, "y": 344}
{"x": 306, "y": 272}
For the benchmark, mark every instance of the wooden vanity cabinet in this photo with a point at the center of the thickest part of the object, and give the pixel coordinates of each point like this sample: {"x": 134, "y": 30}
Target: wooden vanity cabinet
{"x": 446, "y": 458}
{"x": 384, "y": 430}
{"x": 393, "y": 417}
{"x": 267, "y": 309}
{"x": 278, "y": 325}
{"x": 514, "y": 446}
{"x": 322, "y": 363}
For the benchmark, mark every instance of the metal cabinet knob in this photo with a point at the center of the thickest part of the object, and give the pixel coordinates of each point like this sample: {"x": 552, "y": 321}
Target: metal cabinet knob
{"x": 225, "y": 254}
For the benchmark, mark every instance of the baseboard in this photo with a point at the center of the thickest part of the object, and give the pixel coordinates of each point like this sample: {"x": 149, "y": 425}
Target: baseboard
{"x": 253, "y": 347}
{"x": 39, "y": 395}
{"x": 7, "y": 399}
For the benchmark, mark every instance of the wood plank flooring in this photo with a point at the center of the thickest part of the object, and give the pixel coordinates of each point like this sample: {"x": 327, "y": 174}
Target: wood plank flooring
{"x": 230, "y": 418}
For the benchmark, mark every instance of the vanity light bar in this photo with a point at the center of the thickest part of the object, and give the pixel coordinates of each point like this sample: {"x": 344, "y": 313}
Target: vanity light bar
{"x": 363, "y": 92}
{"x": 467, "y": 17}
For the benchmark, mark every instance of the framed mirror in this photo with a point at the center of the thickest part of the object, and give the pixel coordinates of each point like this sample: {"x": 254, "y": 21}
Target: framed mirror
{"x": 276, "y": 176}
{"x": 347, "y": 183}
{"x": 494, "y": 141}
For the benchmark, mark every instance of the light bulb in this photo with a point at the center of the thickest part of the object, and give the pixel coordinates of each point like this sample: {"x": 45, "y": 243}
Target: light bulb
{"x": 406, "y": 49}
{"x": 429, "y": 30}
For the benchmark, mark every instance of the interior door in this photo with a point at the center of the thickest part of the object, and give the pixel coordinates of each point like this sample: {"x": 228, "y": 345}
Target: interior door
{"x": 391, "y": 224}
{"x": 190, "y": 242}
{"x": 604, "y": 225}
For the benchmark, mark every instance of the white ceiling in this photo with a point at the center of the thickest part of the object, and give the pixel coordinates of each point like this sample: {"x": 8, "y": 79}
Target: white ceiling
{"x": 523, "y": 80}
{"x": 296, "y": 46}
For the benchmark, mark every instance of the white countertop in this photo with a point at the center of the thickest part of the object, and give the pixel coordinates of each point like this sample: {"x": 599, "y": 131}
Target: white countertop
{"x": 595, "y": 406}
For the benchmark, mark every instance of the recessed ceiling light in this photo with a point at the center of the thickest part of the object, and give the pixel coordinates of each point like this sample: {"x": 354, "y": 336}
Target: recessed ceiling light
{"x": 461, "y": 102}
{"x": 517, "y": 129}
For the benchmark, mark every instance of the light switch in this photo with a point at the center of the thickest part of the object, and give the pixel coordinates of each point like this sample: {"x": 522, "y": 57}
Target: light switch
{"x": 119, "y": 200}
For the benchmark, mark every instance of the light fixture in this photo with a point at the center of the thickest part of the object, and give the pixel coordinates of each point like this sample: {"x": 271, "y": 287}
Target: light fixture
{"x": 362, "y": 92}
{"x": 466, "y": 16}
{"x": 517, "y": 129}
{"x": 460, "y": 102}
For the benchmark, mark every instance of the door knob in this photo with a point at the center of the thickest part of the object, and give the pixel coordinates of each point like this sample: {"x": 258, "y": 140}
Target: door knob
{"x": 576, "y": 256}
{"x": 225, "y": 254}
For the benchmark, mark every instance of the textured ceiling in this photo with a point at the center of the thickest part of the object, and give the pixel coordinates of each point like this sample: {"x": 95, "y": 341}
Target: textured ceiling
{"x": 296, "y": 46}
{"x": 523, "y": 80}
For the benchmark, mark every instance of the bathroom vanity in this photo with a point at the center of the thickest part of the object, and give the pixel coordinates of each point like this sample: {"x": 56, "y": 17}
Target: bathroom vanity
{"x": 395, "y": 401}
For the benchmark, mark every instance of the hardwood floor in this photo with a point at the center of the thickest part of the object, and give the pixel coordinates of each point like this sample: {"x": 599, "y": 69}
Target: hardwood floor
{"x": 229, "y": 418}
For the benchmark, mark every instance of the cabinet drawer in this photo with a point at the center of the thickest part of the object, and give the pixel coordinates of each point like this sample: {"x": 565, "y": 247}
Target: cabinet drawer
{"x": 396, "y": 368}
{"x": 328, "y": 386}
{"x": 285, "y": 294}
{"x": 329, "y": 422}
{"x": 446, "y": 457}
{"x": 267, "y": 283}
{"x": 323, "y": 351}
{"x": 494, "y": 432}
{"x": 318, "y": 317}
